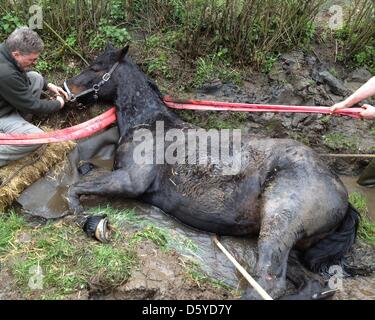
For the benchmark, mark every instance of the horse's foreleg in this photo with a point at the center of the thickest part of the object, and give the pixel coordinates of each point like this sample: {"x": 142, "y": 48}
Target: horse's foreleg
{"x": 118, "y": 182}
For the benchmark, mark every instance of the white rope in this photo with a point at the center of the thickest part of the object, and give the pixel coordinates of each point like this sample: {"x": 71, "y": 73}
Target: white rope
{"x": 347, "y": 155}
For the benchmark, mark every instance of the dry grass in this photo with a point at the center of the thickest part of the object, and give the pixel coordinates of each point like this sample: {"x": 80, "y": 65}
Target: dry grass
{"x": 20, "y": 174}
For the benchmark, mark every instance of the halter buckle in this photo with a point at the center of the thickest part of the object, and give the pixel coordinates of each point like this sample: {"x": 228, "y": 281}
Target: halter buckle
{"x": 106, "y": 77}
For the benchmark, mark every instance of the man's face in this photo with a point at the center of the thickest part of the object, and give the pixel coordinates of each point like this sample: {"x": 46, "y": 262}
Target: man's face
{"x": 25, "y": 62}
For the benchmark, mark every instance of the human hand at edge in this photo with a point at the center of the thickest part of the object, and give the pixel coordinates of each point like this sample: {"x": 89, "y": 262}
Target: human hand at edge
{"x": 368, "y": 112}
{"x": 339, "y": 105}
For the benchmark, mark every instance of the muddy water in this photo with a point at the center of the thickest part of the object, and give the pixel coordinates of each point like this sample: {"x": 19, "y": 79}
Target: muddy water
{"x": 369, "y": 193}
{"x": 102, "y": 163}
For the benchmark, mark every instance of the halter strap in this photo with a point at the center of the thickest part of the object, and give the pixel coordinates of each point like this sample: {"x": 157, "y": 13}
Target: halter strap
{"x": 95, "y": 88}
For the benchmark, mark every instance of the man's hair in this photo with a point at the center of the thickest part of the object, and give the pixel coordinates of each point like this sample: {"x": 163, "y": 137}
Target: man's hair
{"x": 25, "y": 41}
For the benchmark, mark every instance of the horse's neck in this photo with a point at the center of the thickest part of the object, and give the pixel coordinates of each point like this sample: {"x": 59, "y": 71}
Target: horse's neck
{"x": 135, "y": 113}
{"x": 139, "y": 101}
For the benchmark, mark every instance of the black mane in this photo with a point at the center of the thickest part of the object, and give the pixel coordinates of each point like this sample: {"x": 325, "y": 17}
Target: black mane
{"x": 139, "y": 100}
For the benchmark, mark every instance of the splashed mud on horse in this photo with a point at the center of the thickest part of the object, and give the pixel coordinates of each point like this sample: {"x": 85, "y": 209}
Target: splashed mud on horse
{"x": 283, "y": 193}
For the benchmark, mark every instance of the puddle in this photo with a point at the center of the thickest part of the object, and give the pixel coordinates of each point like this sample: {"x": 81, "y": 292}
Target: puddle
{"x": 369, "y": 193}
{"x": 102, "y": 163}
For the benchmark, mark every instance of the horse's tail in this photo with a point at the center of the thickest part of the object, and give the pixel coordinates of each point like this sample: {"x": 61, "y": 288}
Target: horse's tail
{"x": 332, "y": 248}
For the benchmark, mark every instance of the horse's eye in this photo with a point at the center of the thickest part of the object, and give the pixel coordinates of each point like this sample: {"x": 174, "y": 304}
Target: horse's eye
{"x": 95, "y": 68}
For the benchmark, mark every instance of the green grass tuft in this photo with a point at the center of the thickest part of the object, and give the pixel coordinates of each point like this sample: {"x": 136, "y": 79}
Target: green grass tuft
{"x": 366, "y": 230}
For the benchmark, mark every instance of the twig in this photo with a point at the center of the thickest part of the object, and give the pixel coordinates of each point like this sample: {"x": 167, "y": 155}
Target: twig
{"x": 65, "y": 43}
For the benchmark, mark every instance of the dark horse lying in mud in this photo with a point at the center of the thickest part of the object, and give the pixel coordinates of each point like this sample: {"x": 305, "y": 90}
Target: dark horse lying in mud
{"x": 283, "y": 192}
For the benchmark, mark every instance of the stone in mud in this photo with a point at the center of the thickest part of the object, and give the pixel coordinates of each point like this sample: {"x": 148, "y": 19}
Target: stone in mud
{"x": 211, "y": 87}
{"x": 335, "y": 85}
{"x": 292, "y": 61}
{"x": 301, "y": 83}
{"x": 285, "y": 95}
{"x": 298, "y": 118}
{"x": 359, "y": 75}
{"x": 277, "y": 73}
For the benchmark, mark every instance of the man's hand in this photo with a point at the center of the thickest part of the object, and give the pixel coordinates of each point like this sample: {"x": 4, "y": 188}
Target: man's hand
{"x": 57, "y": 90}
{"x": 339, "y": 105}
{"x": 368, "y": 112}
{"x": 61, "y": 100}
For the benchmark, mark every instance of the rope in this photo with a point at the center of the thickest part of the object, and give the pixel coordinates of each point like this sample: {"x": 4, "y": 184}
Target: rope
{"x": 347, "y": 155}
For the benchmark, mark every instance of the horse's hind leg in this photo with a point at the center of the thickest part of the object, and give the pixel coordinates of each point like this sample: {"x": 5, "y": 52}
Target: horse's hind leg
{"x": 280, "y": 229}
{"x": 294, "y": 207}
{"x": 118, "y": 182}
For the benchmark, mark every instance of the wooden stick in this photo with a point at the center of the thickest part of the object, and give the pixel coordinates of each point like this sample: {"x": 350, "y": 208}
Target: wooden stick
{"x": 65, "y": 43}
{"x": 249, "y": 278}
{"x": 347, "y": 155}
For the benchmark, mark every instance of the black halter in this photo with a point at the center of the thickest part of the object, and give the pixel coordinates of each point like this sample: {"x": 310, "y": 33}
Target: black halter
{"x": 95, "y": 88}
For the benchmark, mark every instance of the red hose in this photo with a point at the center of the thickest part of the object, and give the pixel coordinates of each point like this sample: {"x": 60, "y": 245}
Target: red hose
{"x": 78, "y": 134}
{"x": 104, "y": 120}
{"x": 59, "y": 133}
{"x": 231, "y": 106}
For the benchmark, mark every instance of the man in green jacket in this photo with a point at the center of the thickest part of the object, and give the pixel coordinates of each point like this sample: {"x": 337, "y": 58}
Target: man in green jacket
{"x": 20, "y": 90}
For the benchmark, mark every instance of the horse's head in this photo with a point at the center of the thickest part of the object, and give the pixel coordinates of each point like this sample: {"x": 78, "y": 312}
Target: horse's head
{"x": 98, "y": 81}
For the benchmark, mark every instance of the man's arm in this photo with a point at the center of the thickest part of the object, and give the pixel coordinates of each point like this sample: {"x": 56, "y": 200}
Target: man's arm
{"x": 367, "y": 90}
{"x": 14, "y": 90}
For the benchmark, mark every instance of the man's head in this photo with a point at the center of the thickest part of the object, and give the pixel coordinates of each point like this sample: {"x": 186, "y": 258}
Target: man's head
{"x": 25, "y": 46}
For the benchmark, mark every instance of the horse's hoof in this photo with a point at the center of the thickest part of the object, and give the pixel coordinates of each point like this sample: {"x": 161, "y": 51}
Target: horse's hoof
{"x": 324, "y": 294}
{"x": 97, "y": 227}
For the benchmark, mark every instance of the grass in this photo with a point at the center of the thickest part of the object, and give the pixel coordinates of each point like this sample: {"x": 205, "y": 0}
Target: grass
{"x": 62, "y": 258}
{"x": 156, "y": 235}
{"x": 164, "y": 238}
{"x": 298, "y": 136}
{"x": 215, "y": 66}
{"x": 9, "y": 225}
{"x": 366, "y": 230}
{"x": 339, "y": 141}
{"x": 57, "y": 260}
{"x": 325, "y": 119}
{"x": 194, "y": 273}
{"x": 214, "y": 120}
{"x": 68, "y": 261}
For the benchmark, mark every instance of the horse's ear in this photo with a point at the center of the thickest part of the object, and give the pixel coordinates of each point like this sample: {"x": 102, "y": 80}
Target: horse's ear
{"x": 123, "y": 52}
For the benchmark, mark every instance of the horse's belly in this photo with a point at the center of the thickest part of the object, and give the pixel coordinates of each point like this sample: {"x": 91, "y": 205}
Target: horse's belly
{"x": 232, "y": 221}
